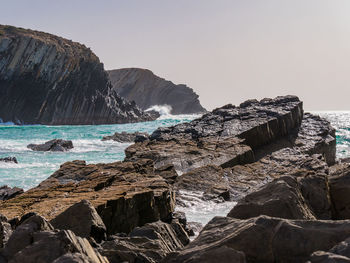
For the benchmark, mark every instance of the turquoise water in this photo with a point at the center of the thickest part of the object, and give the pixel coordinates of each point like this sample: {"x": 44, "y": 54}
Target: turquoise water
{"x": 34, "y": 167}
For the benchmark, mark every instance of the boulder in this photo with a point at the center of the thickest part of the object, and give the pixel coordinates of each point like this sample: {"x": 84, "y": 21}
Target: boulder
{"x": 9, "y": 160}
{"x": 56, "y": 81}
{"x": 266, "y": 239}
{"x": 126, "y": 137}
{"x": 304, "y": 197}
{"x": 8, "y": 192}
{"x": 55, "y": 145}
{"x": 5, "y": 231}
{"x": 83, "y": 220}
{"x": 149, "y": 243}
{"x": 339, "y": 253}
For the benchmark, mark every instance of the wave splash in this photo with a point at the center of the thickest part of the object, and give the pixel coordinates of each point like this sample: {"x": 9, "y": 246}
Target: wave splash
{"x": 165, "y": 113}
{"x": 164, "y": 110}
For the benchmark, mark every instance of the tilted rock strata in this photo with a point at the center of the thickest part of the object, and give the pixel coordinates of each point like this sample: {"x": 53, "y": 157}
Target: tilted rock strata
{"x": 147, "y": 89}
{"x": 125, "y": 195}
{"x": 46, "y": 79}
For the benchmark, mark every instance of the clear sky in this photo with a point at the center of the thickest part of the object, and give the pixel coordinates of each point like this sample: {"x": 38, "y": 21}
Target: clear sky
{"x": 226, "y": 50}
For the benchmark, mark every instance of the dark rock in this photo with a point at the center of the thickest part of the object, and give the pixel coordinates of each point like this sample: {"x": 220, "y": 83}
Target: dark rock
{"x": 150, "y": 243}
{"x": 83, "y": 220}
{"x": 147, "y": 89}
{"x": 9, "y": 160}
{"x": 127, "y": 137}
{"x": 288, "y": 197}
{"x": 46, "y": 79}
{"x": 55, "y": 145}
{"x": 339, "y": 253}
{"x": 266, "y": 239}
{"x": 5, "y": 231}
{"x": 8, "y": 192}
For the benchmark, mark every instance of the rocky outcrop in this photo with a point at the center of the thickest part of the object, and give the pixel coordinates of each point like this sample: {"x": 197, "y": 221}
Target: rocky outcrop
{"x": 55, "y": 145}
{"x": 35, "y": 240}
{"x": 125, "y": 194}
{"x": 127, "y": 137}
{"x": 339, "y": 253}
{"x": 9, "y": 160}
{"x": 266, "y": 239}
{"x": 149, "y": 243}
{"x": 147, "y": 90}
{"x": 46, "y": 79}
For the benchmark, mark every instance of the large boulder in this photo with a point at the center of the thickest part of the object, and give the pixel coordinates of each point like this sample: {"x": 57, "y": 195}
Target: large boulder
{"x": 266, "y": 239}
{"x": 82, "y": 219}
{"x": 46, "y": 79}
{"x": 55, "y": 145}
{"x": 149, "y": 243}
{"x": 304, "y": 197}
{"x": 147, "y": 90}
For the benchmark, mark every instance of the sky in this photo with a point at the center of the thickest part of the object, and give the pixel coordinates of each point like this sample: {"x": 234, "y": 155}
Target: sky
{"x": 227, "y": 51}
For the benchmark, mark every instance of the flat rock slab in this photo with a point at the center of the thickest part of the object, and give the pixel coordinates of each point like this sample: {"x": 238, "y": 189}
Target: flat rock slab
{"x": 124, "y": 194}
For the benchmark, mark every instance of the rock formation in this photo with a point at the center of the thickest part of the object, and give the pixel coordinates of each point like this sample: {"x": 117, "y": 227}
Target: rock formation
{"x": 55, "y": 145}
{"x": 46, "y": 79}
{"x": 127, "y": 137}
{"x": 9, "y": 160}
{"x": 147, "y": 89}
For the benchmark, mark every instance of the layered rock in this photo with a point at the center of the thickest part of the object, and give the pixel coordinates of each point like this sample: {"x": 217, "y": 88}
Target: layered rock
{"x": 147, "y": 90}
{"x": 55, "y": 145}
{"x": 7, "y": 192}
{"x": 266, "y": 239}
{"x": 126, "y": 137}
{"x": 124, "y": 194}
{"x": 46, "y": 79}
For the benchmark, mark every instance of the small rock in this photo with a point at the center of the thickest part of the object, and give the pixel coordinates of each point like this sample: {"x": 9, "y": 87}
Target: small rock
{"x": 55, "y": 145}
{"x": 127, "y": 137}
{"x": 9, "y": 160}
{"x": 8, "y": 192}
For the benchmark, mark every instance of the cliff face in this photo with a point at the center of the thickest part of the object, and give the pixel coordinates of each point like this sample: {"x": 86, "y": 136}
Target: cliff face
{"x": 147, "y": 89}
{"x": 45, "y": 79}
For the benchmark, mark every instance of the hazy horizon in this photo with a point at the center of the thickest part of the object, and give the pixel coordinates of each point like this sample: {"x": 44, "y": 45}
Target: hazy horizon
{"x": 226, "y": 51}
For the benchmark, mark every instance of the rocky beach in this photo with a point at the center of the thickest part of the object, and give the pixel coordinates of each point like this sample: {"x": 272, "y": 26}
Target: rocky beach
{"x": 275, "y": 161}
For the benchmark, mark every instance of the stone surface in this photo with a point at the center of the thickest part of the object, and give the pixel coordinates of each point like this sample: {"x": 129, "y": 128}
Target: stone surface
{"x": 35, "y": 240}
{"x": 303, "y": 197}
{"x": 9, "y": 160}
{"x": 126, "y": 137}
{"x": 339, "y": 253}
{"x": 83, "y": 220}
{"x": 55, "y": 145}
{"x": 5, "y": 231}
{"x": 149, "y": 243}
{"x": 125, "y": 194}
{"x": 147, "y": 89}
{"x": 8, "y": 192}
{"x": 46, "y": 79}
{"x": 267, "y": 239}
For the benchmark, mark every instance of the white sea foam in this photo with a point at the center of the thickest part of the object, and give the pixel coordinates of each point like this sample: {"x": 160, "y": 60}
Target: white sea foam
{"x": 165, "y": 113}
{"x": 10, "y": 165}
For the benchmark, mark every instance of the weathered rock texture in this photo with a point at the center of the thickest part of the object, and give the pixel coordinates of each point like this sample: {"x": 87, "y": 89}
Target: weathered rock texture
{"x": 266, "y": 239}
{"x": 7, "y": 192}
{"x": 124, "y": 194}
{"x": 126, "y": 137}
{"x": 45, "y": 79}
{"x": 147, "y": 89}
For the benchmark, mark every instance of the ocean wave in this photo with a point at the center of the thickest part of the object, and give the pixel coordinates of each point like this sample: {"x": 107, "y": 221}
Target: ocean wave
{"x": 165, "y": 113}
{"x": 10, "y": 165}
{"x": 97, "y": 145}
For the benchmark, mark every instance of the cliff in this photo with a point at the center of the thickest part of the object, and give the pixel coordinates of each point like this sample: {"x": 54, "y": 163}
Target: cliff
{"x": 147, "y": 89}
{"x": 46, "y": 79}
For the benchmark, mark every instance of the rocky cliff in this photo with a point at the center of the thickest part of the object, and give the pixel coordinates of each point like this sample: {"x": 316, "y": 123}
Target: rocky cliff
{"x": 45, "y": 79}
{"x": 147, "y": 89}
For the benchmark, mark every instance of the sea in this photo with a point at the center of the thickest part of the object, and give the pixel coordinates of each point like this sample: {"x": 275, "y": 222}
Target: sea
{"x": 33, "y": 167}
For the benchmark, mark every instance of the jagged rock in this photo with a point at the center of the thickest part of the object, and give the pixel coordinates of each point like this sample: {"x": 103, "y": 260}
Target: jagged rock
{"x": 34, "y": 240}
{"x": 150, "y": 243}
{"x": 339, "y": 183}
{"x": 46, "y": 79}
{"x": 5, "y": 231}
{"x": 125, "y": 194}
{"x": 9, "y": 160}
{"x": 8, "y": 192}
{"x": 147, "y": 89}
{"x": 126, "y": 137}
{"x": 339, "y": 253}
{"x": 224, "y": 137}
{"x": 288, "y": 197}
{"x": 266, "y": 239}
{"x": 83, "y": 220}
{"x": 55, "y": 145}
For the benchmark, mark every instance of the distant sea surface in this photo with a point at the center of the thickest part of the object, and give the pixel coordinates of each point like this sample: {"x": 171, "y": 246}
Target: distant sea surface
{"x": 34, "y": 167}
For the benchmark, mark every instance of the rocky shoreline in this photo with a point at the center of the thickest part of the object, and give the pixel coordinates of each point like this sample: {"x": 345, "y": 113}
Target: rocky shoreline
{"x": 277, "y": 162}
